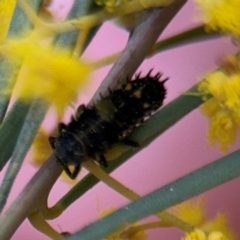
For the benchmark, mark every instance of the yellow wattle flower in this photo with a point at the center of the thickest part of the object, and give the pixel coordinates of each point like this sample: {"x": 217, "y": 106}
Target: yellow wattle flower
{"x": 195, "y": 235}
{"x": 221, "y": 15}
{"x": 219, "y": 227}
{"x": 200, "y": 235}
{"x": 194, "y": 212}
{"x": 191, "y": 211}
{"x": 216, "y": 236}
{"x": 41, "y": 148}
{"x": 6, "y": 12}
{"x": 223, "y": 110}
{"x": 109, "y": 5}
{"x": 222, "y": 126}
{"x": 46, "y": 73}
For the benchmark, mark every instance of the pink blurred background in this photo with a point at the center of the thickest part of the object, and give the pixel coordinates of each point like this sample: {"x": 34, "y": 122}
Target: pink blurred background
{"x": 178, "y": 151}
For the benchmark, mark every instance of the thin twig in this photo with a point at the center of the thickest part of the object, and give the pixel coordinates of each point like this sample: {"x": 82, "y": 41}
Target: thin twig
{"x": 32, "y": 122}
{"x": 39, "y": 185}
{"x": 139, "y": 46}
{"x": 166, "y": 217}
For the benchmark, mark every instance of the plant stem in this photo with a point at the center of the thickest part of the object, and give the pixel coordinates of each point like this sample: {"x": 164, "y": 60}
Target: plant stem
{"x": 166, "y": 217}
{"x": 92, "y": 20}
{"x": 184, "y": 188}
{"x": 40, "y": 184}
{"x": 37, "y": 220}
{"x": 190, "y": 36}
{"x": 31, "y": 14}
{"x": 130, "y": 232}
{"x": 32, "y": 122}
{"x": 10, "y": 130}
{"x": 138, "y": 46}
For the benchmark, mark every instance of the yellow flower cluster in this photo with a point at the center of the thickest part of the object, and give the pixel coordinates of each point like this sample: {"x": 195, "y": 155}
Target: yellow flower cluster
{"x": 110, "y": 4}
{"x": 6, "y": 11}
{"x": 41, "y": 148}
{"x": 223, "y": 109}
{"x": 46, "y": 73}
{"x": 196, "y": 235}
{"x": 194, "y": 213}
{"x": 221, "y": 15}
{"x": 200, "y": 235}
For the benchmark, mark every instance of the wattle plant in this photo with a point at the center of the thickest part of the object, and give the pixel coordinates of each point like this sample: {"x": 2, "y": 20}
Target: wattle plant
{"x": 41, "y": 67}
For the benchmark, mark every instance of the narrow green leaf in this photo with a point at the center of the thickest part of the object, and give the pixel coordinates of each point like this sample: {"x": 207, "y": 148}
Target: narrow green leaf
{"x": 193, "y": 35}
{"x": 20, "y": 22}
{"x": 32, "y": 122}
{"x": 10, "y": 130}
{"x": 6, "y": 82}
{"x": 195, "y": 183}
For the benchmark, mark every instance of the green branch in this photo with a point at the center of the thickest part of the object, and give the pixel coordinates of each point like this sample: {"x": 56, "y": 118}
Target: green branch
{"x": 28, "y": 131}
{"x": 193, "y": 35}
{"x": 195, "y": 183}
{"x": 10, "y": 130}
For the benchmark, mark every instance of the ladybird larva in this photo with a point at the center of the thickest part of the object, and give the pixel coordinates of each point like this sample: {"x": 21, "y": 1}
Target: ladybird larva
{"x": 93, "y": 130}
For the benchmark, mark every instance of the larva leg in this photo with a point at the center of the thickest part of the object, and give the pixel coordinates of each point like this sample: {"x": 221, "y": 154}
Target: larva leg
{"x": 52, "y": 141}
{"x": 102, "y": 160}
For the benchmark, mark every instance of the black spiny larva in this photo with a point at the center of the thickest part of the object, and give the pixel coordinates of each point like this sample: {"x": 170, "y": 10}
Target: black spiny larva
{"x": 93, "y": 130}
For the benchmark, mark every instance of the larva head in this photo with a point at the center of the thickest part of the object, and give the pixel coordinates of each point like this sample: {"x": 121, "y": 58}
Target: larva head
{"x": 68, "y": 152}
